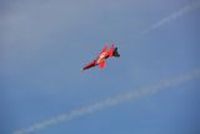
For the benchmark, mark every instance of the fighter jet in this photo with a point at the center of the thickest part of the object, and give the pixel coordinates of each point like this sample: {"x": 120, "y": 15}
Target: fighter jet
{"x": 100, "y": 60}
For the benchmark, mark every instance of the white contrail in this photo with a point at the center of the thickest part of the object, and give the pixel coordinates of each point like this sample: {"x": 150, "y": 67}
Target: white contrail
{"x": 177, "y": 14}
{"x": 110, "y": 102}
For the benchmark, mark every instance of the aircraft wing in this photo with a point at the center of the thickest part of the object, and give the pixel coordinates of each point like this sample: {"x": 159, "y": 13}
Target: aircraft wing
{"x": 104, "y": 48}
{"x": 102, "y": 64}
{"x": 111, "y": 50}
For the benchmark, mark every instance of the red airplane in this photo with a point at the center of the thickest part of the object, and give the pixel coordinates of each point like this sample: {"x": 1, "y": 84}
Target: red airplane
{"x": 105, "y": 53}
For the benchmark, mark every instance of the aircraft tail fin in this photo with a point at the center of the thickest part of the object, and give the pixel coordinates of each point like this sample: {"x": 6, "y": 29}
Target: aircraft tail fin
{"x": 116, "y": 53}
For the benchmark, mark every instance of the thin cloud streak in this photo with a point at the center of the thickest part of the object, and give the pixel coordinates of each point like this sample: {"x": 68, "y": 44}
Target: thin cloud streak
{"x": 111, "y": 102}
{"x": 172, "y": 17}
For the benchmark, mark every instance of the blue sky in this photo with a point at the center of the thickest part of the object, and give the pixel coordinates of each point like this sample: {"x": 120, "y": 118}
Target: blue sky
{"x": 45, "y": 44}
